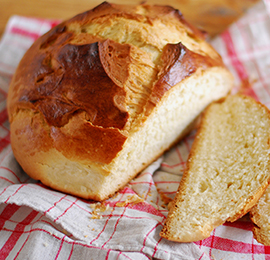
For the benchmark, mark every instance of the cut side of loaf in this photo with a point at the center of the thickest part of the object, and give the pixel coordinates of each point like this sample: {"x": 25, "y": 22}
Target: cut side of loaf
{"x": 227, "y": 171}
{"x": 105, "y": 93}
{"x": 260, "y": 216}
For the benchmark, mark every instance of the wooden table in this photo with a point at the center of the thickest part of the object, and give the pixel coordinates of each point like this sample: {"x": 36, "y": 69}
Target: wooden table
{"x": 212, "y": 16}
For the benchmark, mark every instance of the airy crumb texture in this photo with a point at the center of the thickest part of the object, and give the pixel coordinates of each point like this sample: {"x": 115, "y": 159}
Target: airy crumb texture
{"x": 227, "y": 171}
{"x": 260, "y": 215}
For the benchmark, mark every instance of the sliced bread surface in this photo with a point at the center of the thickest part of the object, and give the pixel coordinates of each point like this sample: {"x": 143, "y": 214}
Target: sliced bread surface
{"x": 227, "y": 171}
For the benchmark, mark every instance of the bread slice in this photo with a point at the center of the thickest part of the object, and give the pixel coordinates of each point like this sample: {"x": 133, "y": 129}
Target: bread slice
{"x": 105, "y": 93}
{"x": 260, "y": 215}
{"x": 227, "y": 171}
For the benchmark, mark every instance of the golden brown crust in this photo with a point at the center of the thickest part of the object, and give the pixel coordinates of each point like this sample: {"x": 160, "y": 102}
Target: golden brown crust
{"x": 154, "y": 12}
{"x": 43, "y": 81}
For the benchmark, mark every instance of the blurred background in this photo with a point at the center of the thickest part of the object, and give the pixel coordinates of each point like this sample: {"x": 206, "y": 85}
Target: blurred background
{"x": 212, "y": 16}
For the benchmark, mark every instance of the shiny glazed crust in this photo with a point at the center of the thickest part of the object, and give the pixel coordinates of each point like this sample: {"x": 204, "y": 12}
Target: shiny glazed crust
{"x": 86, "y": 86}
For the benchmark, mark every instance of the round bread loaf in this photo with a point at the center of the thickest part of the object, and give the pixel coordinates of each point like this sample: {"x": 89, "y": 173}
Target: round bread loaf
{"x": 100, "y": 96}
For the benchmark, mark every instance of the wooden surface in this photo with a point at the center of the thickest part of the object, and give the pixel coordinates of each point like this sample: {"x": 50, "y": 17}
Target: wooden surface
{"x": 213, "y": 16}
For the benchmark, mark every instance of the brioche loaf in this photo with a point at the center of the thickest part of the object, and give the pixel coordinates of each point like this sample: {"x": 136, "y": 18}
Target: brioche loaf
{"x": 260, "y": 215}
{"x": 103, "y": 94}
{"x": 227, "y": 171}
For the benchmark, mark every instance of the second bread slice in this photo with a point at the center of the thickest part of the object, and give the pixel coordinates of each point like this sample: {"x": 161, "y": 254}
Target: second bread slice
{"x": 227, "y": 171}
{"x": 260, "y": 216}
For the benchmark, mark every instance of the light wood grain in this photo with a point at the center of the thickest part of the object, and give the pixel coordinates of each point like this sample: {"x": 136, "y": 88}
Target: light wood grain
{"x": 212, "y": 16}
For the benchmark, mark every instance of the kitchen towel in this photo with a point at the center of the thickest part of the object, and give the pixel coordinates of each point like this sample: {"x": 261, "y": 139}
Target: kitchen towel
{"x": 37, "y": 222}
